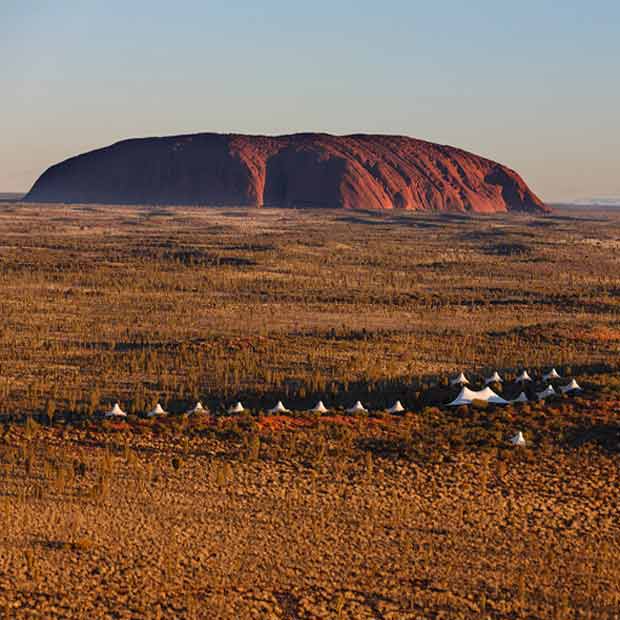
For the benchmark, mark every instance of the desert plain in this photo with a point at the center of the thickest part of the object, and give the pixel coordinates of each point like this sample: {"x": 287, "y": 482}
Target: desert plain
{"x": 431, "y": 513}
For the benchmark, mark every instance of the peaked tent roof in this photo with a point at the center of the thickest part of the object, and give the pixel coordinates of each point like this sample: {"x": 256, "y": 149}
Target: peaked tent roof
{"x": 460, "y": 380}
{"x": 236, "y": 408}
{"x": 357, "y": 408}
{"x": 115, "y": 412}
{"x": 197, "y": 408}
{"x": 548, "y": 391}
{"x": 552, "y": 374}
{"x": 157, "y": 410}
{"x": 518, "y": 439}
{"x": 279, "y": 408}
{"x": 467, "y": 396}
{"x": 522, "y": 398}
{"x": 319, "y": 408}
{"x": 397, "y": 407}
{"x": 523, "y": 377}
{"x": 573, "y": 386}
{"x": 494, "y": 378}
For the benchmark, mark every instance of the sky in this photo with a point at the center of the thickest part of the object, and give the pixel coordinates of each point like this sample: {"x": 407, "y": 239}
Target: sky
{"x": 533, "y": 84}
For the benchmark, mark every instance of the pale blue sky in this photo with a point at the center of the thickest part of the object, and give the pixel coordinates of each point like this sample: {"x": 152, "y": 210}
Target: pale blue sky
{"x": 533, "y": 84}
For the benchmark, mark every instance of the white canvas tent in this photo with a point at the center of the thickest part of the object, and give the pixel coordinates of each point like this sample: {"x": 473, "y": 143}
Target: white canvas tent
{"x": 115, "y": 412}
{"x": 197, "y": 408}
{"x": 236, "y": 408}
{"x": 279, "y": 408}
{"x": 522, "y": 398}
{"x": 319, "y": 408}
{"x": 467, "y": 397}
{"x": 357, "y": 408}
{"x": 523, "y": 377}
{"x": 494, "y": 378}
{"x": 548, "y": 391}
{"x": 552, "y": 375}
{"x": 157, "y": 410}
{"x": 460, "y": 380}
{"x": 518, "y": 439}
{"x": 397, "y": 407}
{"x": 573, "y": 386}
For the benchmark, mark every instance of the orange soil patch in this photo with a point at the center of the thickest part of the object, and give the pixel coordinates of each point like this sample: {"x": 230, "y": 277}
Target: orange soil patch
{"x": 282, "y": 422}
{"x": 339, "y": 419}
{"x": 274, "y": 423}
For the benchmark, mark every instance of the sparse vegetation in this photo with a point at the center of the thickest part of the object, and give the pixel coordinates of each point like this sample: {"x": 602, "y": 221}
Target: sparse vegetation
{"x": 426, "y": 514}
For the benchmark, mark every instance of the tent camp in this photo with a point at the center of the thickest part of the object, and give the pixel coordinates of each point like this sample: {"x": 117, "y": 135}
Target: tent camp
{"x": 467, "y": 397}
{"x": 319, "y": 408}
{"x": 548, "y": 391}
{"x": 279, "y": 408}
{"x": 236, "y": 408}
{"x": 552, "y": 375}
{"x": 197, "y": 408}
{"x": 523, "y": 377}
{"x": 115, "y": 412}
{"x": 522, "y": 398}
{"x": 155, "y": 411}
{"x": 460, "y": 380}
{"x": 357, "y": 408}
{"x": 573, "y": 386}
{"x": 494, "y": 378}
{"x": 397, "y": 407}
{"x": 518, "y": 439}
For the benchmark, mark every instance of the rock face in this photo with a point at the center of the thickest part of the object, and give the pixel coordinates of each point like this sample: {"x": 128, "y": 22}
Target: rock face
{"x": 300, "y": 170}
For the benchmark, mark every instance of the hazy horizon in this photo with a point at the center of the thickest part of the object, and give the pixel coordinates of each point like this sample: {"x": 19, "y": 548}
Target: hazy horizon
{"x": 530, "y": 86}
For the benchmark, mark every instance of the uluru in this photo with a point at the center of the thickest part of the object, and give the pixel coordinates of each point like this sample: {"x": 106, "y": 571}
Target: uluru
{"x": 299, "y": 170}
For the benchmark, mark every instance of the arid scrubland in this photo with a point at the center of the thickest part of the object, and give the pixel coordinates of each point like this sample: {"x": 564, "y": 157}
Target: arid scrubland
{"x": 429, "y": 514}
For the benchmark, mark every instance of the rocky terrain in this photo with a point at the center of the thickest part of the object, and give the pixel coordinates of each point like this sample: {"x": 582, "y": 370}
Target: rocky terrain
{"x": 300, "y": 170}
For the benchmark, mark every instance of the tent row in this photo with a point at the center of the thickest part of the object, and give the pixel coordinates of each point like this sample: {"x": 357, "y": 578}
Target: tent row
{"x": 465, "y": 397}
{"x": 158, "y": 410}
{"x": 320, "y": 407}
{"x": 523, "y": 377}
